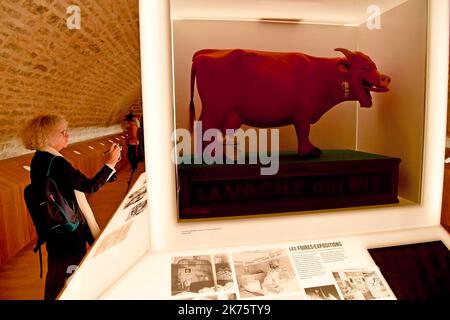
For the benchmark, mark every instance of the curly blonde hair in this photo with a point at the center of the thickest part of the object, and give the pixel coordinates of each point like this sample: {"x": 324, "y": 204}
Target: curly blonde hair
{"x": 36, "y": 134}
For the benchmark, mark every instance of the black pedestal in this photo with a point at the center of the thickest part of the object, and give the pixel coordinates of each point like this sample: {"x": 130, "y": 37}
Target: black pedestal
{"x": 339, "y": 178}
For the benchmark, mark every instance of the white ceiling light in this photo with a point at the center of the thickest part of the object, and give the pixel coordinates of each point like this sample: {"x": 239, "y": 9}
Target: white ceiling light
{"x": 341, "y": 12}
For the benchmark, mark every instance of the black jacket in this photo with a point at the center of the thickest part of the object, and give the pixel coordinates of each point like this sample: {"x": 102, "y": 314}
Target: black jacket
{"x": 68, "y": 179}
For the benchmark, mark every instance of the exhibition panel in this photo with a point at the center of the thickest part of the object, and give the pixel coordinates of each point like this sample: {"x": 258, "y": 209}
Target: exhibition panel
{"x": 307, "y": 264}
{"x": 445, "y": 219}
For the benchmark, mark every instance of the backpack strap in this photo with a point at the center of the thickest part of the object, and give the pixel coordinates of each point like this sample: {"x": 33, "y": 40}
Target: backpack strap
{"x": 40, "y": 262}
{"x": 49, "y": 166}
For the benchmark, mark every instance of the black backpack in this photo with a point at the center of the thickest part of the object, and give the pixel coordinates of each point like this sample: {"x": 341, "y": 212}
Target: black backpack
{"x": 50, "y": 212}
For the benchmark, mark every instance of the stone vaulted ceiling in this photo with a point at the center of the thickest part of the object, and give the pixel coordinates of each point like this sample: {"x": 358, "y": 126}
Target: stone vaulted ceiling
{"x": 91, "y": 75}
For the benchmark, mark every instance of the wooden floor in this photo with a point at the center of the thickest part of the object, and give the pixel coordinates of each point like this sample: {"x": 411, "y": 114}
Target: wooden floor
{"x": 19, "y": 278}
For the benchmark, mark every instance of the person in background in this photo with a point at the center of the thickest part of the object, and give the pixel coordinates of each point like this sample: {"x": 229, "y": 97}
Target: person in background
{"x": 132, "y": 141}
{"x": 48, "y": 135}
{"x": 141, "y": 153}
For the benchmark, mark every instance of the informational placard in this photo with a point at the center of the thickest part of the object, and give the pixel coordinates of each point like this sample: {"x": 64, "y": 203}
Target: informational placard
{"x": 195, "y": 276}
{"x": 308, "y": 271}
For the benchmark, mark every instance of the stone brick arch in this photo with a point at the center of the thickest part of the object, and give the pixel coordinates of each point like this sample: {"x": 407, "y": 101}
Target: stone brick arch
{"x": 91, "y": 75}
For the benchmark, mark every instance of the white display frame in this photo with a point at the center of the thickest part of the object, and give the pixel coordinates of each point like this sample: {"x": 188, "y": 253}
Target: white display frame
{"x": 168, "y": 234}
{"x": 123, "y": 242}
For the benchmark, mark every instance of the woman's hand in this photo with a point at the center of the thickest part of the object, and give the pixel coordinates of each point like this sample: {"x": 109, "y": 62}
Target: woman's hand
{"x": 113, "y": 155}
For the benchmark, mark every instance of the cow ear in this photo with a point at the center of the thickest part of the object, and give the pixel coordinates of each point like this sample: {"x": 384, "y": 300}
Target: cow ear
{"x": 343, "y": 66}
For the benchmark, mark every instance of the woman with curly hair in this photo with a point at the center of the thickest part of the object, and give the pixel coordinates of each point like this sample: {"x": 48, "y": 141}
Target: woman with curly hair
{"x": 48, "y": 135}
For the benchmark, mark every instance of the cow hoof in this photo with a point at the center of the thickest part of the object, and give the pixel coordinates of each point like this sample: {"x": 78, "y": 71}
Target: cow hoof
{"x": 317, "y": 150}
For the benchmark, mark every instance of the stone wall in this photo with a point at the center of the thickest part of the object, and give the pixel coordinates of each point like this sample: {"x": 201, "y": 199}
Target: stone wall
{"x": 90, "y": 75}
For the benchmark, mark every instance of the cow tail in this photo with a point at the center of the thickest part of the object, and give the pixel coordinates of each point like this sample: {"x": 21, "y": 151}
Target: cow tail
{"x": 191, "y": 103}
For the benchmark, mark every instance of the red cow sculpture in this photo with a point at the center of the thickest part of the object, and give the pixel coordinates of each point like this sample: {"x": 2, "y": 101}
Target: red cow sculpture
{"x": 272, "y": 89}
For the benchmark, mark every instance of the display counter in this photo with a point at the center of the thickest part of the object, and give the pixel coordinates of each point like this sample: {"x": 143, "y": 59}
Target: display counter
{"x": 124, "y": 240}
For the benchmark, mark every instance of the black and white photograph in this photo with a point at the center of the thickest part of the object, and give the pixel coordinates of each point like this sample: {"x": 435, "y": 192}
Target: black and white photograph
{"x": 264, "y": 273}
{"x": 138, "y": 197}
{"x": 137, "y": 209}
{"x": 139, "y": 192}
{"x": 362, "y": 285}
{"x": 199, "y": 275}
{"x": 327, "y": 292}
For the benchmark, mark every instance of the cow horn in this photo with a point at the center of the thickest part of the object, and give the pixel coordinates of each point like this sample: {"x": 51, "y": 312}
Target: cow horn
{"x": 346, "y": 52}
